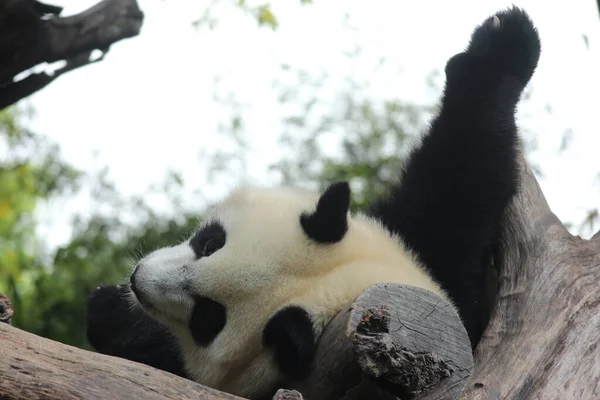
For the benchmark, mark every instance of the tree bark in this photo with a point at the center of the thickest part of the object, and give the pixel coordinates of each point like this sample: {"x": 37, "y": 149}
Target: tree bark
{"x": 32, "y": 33}
{"x": 542, "y": 339}
{"x": 35, "y": 368}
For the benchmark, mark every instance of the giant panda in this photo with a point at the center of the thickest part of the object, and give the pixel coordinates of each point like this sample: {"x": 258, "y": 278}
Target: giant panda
{"x": 240, "y": 304}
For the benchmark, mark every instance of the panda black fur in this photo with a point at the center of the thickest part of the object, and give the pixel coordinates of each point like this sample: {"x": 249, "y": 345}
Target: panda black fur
{"x": 241, "y": 304}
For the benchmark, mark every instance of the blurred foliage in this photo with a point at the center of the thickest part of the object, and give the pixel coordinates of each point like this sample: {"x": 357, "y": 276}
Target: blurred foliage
{"x": 23, "y": 183}
{"x": 261, "y": 11}
{"x": 357, "y": 140}
{"x": 48, "y": 291}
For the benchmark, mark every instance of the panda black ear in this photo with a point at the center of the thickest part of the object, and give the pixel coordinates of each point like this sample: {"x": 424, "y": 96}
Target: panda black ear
{"x": 329, "y": 222}
{"x": 289, "y": 333}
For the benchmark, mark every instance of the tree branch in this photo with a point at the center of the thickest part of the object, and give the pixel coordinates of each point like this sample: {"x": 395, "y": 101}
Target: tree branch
{"x": 31, "y": 33}
{"x": 35, "y": 368}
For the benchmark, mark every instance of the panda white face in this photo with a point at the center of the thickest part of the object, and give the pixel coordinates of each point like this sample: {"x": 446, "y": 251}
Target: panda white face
{"x": 250, "y": 249}
{"x": 250, "y": 292}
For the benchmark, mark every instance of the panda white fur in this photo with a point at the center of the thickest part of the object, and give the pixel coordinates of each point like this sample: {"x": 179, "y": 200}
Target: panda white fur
{"x": 240, "y": 305}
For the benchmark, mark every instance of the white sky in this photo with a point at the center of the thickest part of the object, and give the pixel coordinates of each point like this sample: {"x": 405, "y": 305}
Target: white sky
{"x": 148, "y": 105}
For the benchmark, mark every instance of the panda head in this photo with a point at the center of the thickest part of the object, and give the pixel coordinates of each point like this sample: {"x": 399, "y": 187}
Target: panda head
{"x": 249, "y": 293}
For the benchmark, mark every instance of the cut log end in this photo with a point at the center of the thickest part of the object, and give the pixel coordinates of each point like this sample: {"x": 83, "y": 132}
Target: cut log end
{"x": 403, "y": 372}
{"x": 394, "y": 341}
{"x": 285, "y": 394}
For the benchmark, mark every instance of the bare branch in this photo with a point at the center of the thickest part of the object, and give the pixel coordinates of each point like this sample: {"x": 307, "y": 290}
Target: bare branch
{"x": 36, "y": 368}
{"x": 35, "y": 82}
{"x": 96, "y": 28}
{"x": 31, "y": 33}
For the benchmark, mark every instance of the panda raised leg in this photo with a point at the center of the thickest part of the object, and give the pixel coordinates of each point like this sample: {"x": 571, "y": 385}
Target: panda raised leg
{"x": 456, "y": 186}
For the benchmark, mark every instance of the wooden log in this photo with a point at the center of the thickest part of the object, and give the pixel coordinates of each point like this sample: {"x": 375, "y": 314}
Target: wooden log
{"x": 542, "y": 339}
{"x": 401, "y": 340}
{"x": 35, "y": 368}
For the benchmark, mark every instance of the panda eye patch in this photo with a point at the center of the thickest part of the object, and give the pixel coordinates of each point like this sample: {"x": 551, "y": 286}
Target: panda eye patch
{"x": 213, "y": 245}
{"x": 208, "y": 240}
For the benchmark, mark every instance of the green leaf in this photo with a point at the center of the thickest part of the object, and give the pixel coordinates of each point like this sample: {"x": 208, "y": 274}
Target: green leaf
{"x": 266, "y": 17}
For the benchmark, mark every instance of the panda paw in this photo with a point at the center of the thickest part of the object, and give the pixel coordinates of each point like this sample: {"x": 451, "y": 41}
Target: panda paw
{"x": 509, "y": 41}
{"x": 505, "y": 48}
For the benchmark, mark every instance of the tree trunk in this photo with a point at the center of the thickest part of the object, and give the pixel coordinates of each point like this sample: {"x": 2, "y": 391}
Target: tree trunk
{"x": 542, "y": 339}
{"x": 32, "y": 33}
